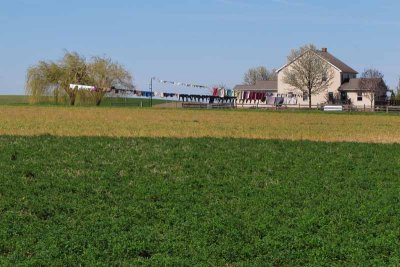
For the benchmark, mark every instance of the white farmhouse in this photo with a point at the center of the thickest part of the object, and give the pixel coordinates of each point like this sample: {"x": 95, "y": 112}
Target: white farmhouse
{"x": 344, "y": 89}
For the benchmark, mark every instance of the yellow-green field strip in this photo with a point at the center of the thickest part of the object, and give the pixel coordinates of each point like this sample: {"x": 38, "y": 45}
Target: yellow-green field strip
{"x": 122, "y": 122}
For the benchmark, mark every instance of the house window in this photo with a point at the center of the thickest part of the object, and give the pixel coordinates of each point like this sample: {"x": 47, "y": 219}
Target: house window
{"x": 305, "y": 97}
{"x": 359, "y": 96}
{"x": 343, "y": 96}
{"x": 345, "y": 78}
{"x": 331, "y": 98}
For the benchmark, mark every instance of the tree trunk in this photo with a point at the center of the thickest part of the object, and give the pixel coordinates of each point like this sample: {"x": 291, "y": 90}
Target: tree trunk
{"x": 98, "y": 102}
{"x": 372, "y": 103}
{"x": 72, "y": 99}
{"x": 309, "y": 98}
{"x": 99, "y": 97}
{"x": 71, "y": 94}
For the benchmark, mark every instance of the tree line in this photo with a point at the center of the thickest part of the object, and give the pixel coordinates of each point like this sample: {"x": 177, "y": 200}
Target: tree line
{"x": 52, "y": 79}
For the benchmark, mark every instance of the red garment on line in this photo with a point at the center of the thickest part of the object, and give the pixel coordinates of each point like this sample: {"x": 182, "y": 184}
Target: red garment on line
{"x": 215, "y": 91}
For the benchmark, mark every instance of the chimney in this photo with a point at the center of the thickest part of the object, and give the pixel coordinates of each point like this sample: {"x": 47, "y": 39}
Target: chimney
{"x": 324, "y": 49}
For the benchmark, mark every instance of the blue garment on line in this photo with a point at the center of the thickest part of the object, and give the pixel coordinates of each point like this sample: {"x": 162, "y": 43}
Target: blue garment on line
{"x": 147, "y": 94}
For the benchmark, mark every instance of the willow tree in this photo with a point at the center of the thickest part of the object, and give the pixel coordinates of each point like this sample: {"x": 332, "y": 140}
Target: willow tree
{"x": 106, "y": 74}
{"x": 43, "y": 81}
{"x": 308, "y": 72}
{"x": 74, "y": 71}
{"x": 54, "y": 78}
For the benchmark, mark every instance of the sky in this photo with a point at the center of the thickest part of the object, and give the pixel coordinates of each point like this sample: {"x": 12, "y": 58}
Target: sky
{"x": 207, "y": 42}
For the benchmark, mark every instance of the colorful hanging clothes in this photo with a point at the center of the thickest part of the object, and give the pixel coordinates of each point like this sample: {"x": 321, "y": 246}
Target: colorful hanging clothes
{"x": 215, "y": 91}
{"x": 147, "y": 94}
{"x": 279, "y": 101}
{"x": 271, "y": 100}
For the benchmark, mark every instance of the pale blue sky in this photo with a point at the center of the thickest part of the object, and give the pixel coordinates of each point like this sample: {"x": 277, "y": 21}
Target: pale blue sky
{"x": 196, "y": 41}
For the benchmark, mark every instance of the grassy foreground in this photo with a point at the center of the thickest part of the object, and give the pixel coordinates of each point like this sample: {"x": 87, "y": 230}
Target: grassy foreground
{"x": 197, "y": 202}
{"x": 135, "y": 122}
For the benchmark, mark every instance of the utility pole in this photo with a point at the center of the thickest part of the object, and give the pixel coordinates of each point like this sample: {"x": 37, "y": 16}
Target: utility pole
{"x": 151, "y": 91}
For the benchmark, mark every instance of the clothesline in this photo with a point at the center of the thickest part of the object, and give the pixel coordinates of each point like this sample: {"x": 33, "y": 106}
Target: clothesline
{"x": 222, "y": 92}
{"x": 217, "y": 92}
{"x": 182, "y": 84}
{"x": 266, "y": 97}
{"x": 82, "y": 87}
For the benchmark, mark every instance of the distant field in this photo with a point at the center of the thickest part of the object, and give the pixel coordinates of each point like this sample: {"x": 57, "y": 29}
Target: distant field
{"x": 135, "y": 122}
{"x": 89, "y": 201}
{"x": 134, "y": 102}
{"x": 13, "y": 99}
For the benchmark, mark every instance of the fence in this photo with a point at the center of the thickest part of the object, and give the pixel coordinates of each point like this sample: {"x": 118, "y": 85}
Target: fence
{"x": 209, "y": 106}
{"x": 387, "y": 109}
{"x": 345, "y": 108}
{"x": 381, "y": 106}
{"x": 131, "y": 104}
{"x": 387, "y": 103}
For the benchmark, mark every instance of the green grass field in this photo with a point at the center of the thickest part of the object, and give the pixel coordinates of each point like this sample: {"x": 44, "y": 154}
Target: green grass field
{"x": 71, "y": 201}
{"x": 19, "y": 100}
{"x": 13, "y": 100}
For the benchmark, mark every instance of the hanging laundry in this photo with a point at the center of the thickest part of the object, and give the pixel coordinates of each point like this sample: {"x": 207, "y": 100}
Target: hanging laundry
{"x": 286, "y": 101}
{"x": 222, "y": 92}
{"x": 271, "y": 100}
{"x": 81, "y": 87}
{"x": 215, "y": 91}
{"x": 279, "y": 101}
{"x": 264, "y": 97}
{"x": 182, "y": 84}
{"x": 147, "y": 94}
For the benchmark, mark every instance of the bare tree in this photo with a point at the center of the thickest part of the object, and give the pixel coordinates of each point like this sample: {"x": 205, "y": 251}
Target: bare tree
{"x": 259, "y": 74}
{"x": 397, "y": 94}
{"x": 372, "y": 84}
{"x": 308, "y": 72}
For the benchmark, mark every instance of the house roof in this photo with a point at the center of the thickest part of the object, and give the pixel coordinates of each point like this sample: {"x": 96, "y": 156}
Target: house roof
{"x": 334, "y": 61}
{"x": 351, "y": 85}
{"x": 355, "y": 85}
{"x": 260, "y": 86}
